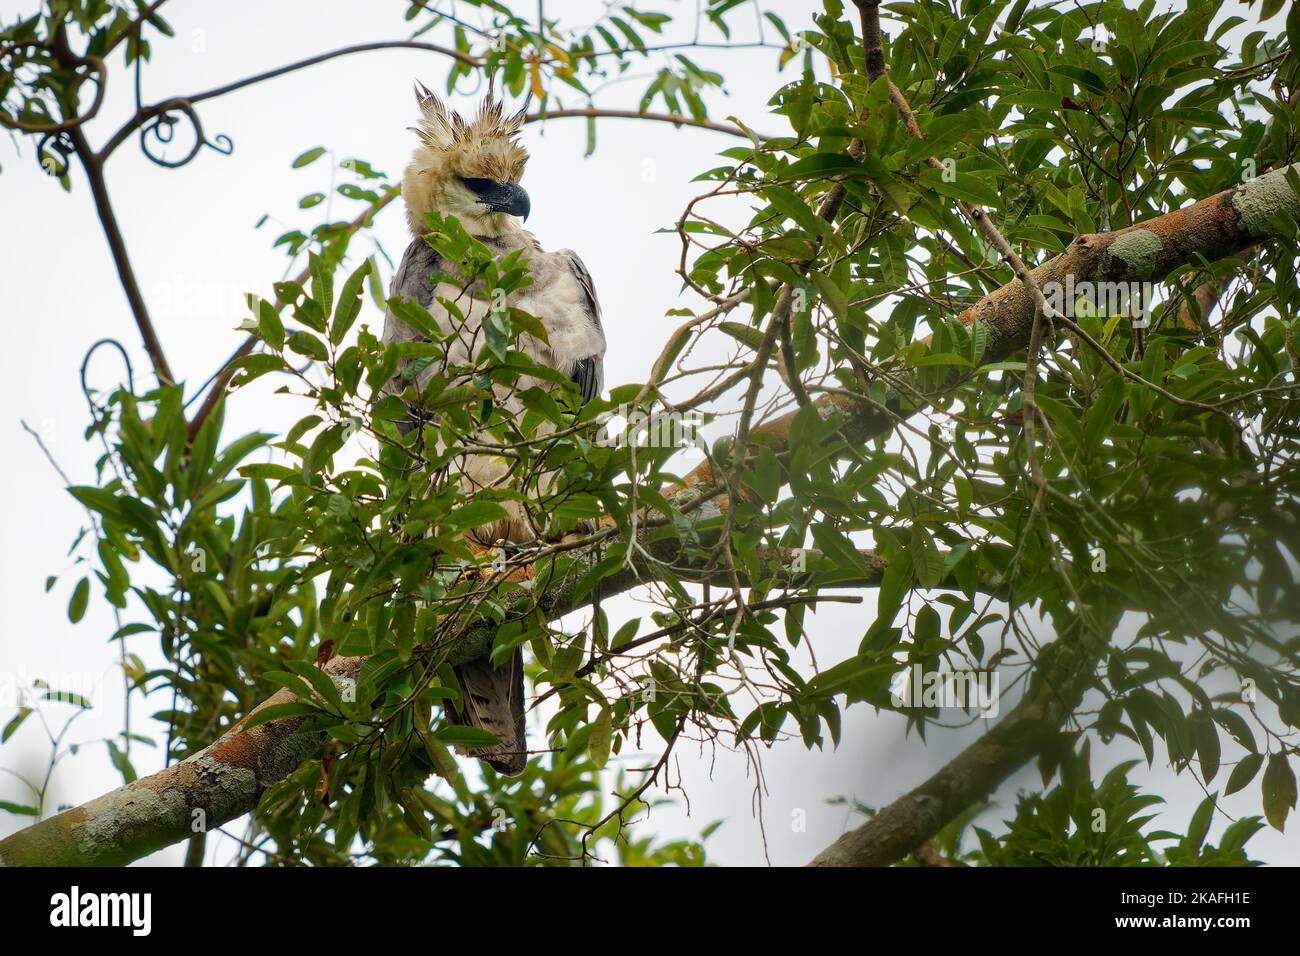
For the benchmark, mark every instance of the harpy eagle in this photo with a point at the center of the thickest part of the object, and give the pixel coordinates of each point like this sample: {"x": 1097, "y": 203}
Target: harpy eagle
{"x": 471, "y": 169}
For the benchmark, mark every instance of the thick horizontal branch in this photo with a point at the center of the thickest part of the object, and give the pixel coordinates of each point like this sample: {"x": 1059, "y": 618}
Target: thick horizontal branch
{"x": 212, "y": 787}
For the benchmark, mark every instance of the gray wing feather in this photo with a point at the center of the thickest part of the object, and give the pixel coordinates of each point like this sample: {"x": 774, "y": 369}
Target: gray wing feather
{"x": 413, "y": 280}
{"x": 589, "y": 372}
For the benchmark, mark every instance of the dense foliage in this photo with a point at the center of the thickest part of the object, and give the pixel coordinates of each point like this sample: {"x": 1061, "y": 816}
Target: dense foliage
{"x": 1137, "y": 510}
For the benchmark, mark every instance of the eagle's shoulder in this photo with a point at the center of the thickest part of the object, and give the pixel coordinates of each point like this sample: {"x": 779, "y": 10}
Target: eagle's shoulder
{"x": 413, "y": 281}
{"x": 413, "y": 278}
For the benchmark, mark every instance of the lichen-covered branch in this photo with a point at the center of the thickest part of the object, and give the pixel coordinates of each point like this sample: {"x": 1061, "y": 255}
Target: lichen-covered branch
{"x": 212, "y": 787}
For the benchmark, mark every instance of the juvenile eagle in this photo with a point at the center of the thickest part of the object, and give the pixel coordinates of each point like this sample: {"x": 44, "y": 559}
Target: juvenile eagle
{"x": 471, "y": 169}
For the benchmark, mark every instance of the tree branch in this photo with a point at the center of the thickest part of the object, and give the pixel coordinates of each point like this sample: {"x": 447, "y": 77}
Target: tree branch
{"x": 1213, "y": 228}
{"x": 121, "y": 259}
{"x": 146, "y": 113}
{"x": 1062, "y": 674}
{"x": 677, "y": 119}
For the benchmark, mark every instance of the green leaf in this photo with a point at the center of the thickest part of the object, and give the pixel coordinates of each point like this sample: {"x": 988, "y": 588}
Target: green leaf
{"x": 944, "y": 132}
{"x": 263, "y": 715}
{"x": 255, "y": 366}
{"x": 304, "y": 343}
{"x": 1207, "y": 748}
{"x": 894, "y": 584}
{"x": 821, "y": 165}
{"x": 121, "y": 762}
{"x": 964, "y": 187}
{"x": 788, "y": 202}
{"x": 465, "y": 736}
{"x": 13, "y": 725}
{"x": 745, "y": 334}
{"x": 1278, "y": 789}
{"x": 322, "y": 287}
{"x": 1200, "y": 824}
{"x": 833, "y": 295}
{"x": 80, "y": 598}
{"x": 269, "y": 326}
{"x": 349, "y": 304}
{"x": 321, "y": 682}
{"x": 313, "y": 154}
{"x": 598, "y": 745}
{"x": 444, "y": 764}
{"x": 1244, "y": 772}
{"x": 414, "y": 814}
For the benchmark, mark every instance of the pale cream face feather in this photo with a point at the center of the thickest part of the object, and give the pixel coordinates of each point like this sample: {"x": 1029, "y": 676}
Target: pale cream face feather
{"x": 452, "y": 147}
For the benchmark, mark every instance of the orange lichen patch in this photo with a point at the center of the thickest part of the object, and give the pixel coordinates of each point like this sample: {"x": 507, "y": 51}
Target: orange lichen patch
{"x": 240, "y": 749}
{"x": 162, "y": 781}
{"x": 1170, "y": 223}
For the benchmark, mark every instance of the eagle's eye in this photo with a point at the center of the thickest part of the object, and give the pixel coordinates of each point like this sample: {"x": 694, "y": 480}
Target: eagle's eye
{"x": 479, "y": 186}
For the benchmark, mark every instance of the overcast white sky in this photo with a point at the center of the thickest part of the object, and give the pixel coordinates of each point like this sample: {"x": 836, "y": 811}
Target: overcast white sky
{"x": 192, "y": 239}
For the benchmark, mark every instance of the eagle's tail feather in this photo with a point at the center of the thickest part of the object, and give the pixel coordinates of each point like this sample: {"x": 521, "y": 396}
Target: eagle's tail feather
{"x": 493, "y": 700}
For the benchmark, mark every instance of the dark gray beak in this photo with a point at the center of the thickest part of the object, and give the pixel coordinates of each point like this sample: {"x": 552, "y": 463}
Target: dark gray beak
{"x": 508, "y": 198}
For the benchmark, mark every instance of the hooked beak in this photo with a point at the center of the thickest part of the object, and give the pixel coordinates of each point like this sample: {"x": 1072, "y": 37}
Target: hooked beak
{"x": 509, "y": 198}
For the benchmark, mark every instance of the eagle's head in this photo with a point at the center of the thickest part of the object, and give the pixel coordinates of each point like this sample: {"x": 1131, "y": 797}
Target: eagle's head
{"x": 469, "y": 169}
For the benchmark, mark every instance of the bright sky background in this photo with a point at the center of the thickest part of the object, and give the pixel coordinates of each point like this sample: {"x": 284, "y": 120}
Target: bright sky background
{"x": 196, "y": 252}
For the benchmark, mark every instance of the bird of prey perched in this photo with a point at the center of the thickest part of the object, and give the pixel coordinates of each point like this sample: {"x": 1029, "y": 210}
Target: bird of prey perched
{"x": 470, "y": 169}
